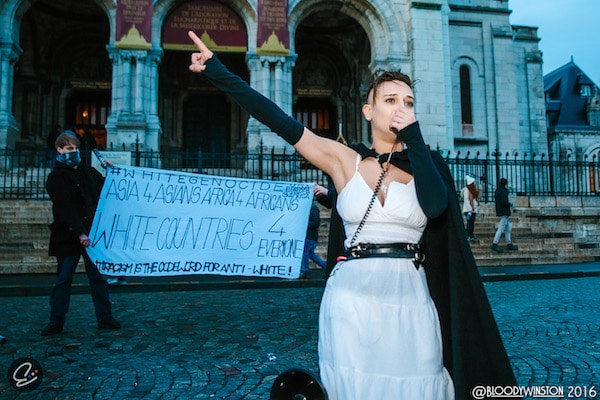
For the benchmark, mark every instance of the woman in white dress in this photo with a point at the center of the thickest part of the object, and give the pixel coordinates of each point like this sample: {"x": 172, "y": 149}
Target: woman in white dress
{"x": 379, "y": 332}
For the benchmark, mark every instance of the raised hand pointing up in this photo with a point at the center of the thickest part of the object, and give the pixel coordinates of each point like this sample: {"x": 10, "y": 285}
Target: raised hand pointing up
{"x": 202, "y": 56}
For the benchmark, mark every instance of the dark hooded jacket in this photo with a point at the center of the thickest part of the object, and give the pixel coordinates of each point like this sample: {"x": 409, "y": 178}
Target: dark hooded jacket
{"x": 501, "y": 199}
{"x": 74, "y": 193}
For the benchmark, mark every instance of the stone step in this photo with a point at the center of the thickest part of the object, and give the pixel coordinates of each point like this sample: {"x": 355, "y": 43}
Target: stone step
{"x": 38, "y": 267}
{"x": 488, "y": 262}
{"x": 543, "y": 235}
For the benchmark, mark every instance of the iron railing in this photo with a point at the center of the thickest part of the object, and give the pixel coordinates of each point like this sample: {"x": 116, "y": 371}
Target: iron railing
{"x": 23, "y": 172}
{"x": 528, "y": 175}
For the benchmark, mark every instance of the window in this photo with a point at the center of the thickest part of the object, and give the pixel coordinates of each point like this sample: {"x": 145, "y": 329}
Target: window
{"x": 90, "y": 114}
{"x": 585, "y": 90}
{"x": 465, "y": 95}
{"x": 314, "y": 119}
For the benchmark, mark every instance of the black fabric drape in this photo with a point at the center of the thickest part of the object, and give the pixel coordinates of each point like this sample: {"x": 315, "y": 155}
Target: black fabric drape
{"x": 474, "y": 353}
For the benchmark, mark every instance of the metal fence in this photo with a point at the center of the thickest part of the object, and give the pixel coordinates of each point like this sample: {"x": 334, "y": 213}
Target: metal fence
{"x": 23, "y": 172}
{"x": 535, "y": 175}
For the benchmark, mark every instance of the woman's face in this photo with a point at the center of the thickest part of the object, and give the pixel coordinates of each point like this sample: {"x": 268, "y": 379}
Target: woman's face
{"x": 391, "y": 97}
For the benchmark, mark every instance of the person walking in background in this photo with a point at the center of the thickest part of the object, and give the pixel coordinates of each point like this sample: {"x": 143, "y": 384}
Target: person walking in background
{"x": 503, "y": 206}
{"x": 88, "y": 143}
{"x": 470, "y": 195}
{"x": 74, "y": 190}
{"x": 310, "y": 243}
{"x": 327, "y": 197}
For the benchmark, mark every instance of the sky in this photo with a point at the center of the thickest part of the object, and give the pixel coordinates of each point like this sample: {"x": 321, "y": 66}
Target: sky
{"x": 566, "y": 28}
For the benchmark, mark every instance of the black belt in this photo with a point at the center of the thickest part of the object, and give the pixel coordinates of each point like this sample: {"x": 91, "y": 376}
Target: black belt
{"x": 388, "y": 250}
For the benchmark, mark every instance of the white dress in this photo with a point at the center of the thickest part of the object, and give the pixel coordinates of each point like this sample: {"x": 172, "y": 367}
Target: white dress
{"x": 379, "y": 333}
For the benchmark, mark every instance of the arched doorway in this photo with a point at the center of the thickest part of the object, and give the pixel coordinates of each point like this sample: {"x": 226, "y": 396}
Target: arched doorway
{"x": 63, "y": 76}
{"x": 333, "y": 58}
{"x": 195, "y": 115}
{"x": 318, "y": 113}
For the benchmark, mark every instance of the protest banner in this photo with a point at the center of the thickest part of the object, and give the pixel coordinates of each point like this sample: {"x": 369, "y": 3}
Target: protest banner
{"x": 116, "y": 157}
{"x": 152, "y": 222}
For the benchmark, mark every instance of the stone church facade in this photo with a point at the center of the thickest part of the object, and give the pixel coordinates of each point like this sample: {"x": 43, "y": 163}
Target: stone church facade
{"x": 78, "y": 64}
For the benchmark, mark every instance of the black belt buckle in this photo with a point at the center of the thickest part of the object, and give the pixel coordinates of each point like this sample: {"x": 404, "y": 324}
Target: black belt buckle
{"x": 419, "y": 258}
{"x": 357, "y": 251}
{"x": 413, "y": 247}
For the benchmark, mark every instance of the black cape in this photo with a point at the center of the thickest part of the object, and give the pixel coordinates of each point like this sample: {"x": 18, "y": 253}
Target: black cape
{"x": 473, "y": 350}
{"x": 474, "y": 353}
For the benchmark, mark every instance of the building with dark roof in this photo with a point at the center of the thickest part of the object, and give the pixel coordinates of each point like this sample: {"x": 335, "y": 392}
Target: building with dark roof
{"x": 572, "y": 113}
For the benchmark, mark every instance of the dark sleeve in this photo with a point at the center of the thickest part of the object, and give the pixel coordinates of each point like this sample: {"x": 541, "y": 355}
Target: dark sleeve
{"x": 98, "y": 181}
{"x": 327, "y": 200}
{"x": 432, "y": 192}
{"x": 257, "y": 105}
{"x": 504, "y": 199}
{"x": 314, "y": 219}
{"x": 64, "y": 204}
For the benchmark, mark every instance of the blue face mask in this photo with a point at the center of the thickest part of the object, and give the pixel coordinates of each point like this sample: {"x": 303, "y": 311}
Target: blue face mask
{"x": 71, "y": 159}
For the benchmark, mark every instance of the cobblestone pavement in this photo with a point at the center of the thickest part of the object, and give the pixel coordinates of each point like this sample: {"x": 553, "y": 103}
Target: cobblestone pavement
{"x": 551, "y": 330}
{"x": 232, "y": 344}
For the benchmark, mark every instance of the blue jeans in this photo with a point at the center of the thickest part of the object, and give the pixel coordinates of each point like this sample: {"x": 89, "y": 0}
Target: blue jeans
{"x": 309, "y": 254}
{"x": 503, "y": 227}
{"x": 61, "y": 292}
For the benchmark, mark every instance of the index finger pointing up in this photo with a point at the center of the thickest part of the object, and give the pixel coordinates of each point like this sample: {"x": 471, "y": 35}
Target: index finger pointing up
{"x": 199, "y": 43}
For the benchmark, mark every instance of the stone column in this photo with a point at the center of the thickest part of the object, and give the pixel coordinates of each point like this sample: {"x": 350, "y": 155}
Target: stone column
{"x": 151, "y": 95}
{"x": 253, "y": 129}
{"x": 125, "y": 85}
{"x": 271, "y": 76}
{"x": 430, "y": 64}
{"x": 505, "y": 91}
{"x": 9, "y": 54}
{"x": 140, "y": 80}
{"x": 128, "y": 123}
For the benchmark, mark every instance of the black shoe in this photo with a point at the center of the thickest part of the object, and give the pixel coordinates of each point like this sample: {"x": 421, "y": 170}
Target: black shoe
{"x": 51, "y": 329}
{"x": 109, "y": 323}
{"x": 512, "y": 247}
{"x": 496, "y": 248}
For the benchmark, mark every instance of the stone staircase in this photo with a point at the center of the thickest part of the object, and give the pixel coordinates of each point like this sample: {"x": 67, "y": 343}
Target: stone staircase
{"x": 544, "y": 236}
{"x": 547, "y": 230}
{"x": 24, "y": 237}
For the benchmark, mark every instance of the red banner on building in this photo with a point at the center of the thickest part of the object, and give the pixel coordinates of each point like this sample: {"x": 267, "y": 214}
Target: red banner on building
{"x": 273, "y": 34}
{"x": 134, "y": 24}
{"x": 216, "y": 24}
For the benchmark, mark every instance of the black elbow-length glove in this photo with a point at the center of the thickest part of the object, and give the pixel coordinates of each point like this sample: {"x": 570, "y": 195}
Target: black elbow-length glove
{"x": 431, "y": 189}
{"x": 257, "y": 105}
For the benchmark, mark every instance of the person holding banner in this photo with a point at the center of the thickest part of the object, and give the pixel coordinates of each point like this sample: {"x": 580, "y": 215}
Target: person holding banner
{"x": 404, "y": 315}
{"x": 74, "y": 189}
